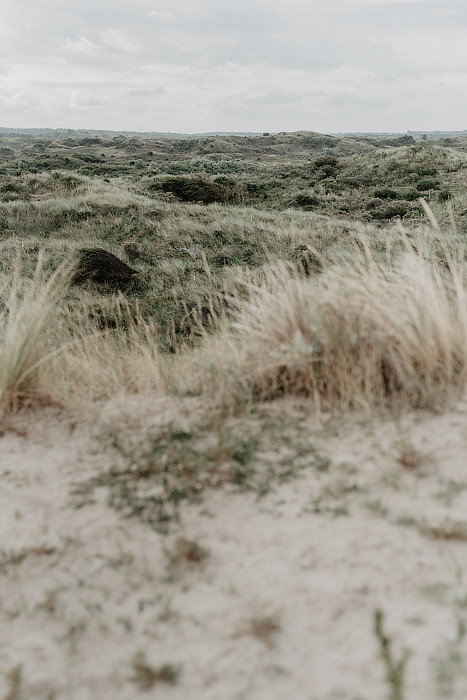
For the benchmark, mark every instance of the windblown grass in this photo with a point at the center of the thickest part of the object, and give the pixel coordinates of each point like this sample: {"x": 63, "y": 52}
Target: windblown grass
{"x": 27, "y": 310}
{"x": 50, "y": 349}
{"x": 385, "y": 322}
{"x": 99, "y": 364}
{"x": 362, "y": 335}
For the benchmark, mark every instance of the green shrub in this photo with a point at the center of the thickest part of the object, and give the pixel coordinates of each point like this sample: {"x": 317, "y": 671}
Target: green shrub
{"x": 103, "y": 268}
{"x": 306, "y": 201}
{"x": 392, "y": 211}
{"x": 195, "y": 190}
{"x": 326, "y": 165}
{"x": 427, "y": 184}
{"x": 444, "y": 195}
{"x": 386, "y": 193}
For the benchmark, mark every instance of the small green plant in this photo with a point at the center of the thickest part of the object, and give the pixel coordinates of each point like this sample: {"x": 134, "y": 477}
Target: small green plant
{"x": 175, "y": 465}
{"x": 394, "y": 668}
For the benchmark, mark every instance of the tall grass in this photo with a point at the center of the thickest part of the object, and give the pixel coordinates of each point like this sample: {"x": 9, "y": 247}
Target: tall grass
{"x": 50, "y": 350}
{"x": 27, "y": 310}
{"x": 99, "y": 364}
{"x": 369, "y": 331}
{"x": 362, "y": 335}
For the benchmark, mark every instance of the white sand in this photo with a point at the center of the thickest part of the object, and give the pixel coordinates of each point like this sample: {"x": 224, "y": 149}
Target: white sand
{"x": 82, "y": 591}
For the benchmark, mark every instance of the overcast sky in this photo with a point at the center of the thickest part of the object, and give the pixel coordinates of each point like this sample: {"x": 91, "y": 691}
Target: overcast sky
{"x": 234, "y": 65}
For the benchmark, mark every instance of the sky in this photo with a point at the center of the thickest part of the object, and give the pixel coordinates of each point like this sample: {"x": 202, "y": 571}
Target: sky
{"x": 195, "y": 66}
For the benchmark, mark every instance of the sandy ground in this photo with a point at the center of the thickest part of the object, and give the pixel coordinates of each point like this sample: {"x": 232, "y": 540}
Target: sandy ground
{"x": 92, "y": 604}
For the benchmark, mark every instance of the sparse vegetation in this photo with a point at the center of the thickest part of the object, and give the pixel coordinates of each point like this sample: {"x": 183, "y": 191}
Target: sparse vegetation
{"x": 265, "y": 628}
{"x": 186, "y": 553}
{"x": 147, "y": 676}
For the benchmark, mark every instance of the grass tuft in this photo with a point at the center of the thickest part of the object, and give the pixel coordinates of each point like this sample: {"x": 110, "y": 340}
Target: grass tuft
{"x": 362, "y": 335}
{"x": 27, "y": 316}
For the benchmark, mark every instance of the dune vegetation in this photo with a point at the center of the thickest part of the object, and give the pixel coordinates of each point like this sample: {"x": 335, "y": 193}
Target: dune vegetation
{"x": 277, "y": 265}
{"x": 183, "y": 320}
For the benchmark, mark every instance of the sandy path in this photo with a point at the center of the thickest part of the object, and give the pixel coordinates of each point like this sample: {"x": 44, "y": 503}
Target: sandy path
{"x": 283, "y": 605}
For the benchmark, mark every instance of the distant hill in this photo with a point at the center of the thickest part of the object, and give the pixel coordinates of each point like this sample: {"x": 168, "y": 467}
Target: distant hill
{"x": 417, "y": 135}
{"x": 104, "y": 133}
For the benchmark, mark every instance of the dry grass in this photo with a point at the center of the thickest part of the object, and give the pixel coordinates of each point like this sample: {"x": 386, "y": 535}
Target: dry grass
{"x": 365, "y": 333}
{"x": 27, "y": 312}
{"x": 409, "y": 457}
{"x": 362, "y": 335}
{"x": 100, "y": 364}
{"x": 50, "y": 349}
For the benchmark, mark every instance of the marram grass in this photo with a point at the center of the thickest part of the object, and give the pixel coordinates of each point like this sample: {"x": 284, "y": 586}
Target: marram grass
{"x": 27, "y": 318}
{"x": 365, "y": 333}
{"x": 360, "y": 336}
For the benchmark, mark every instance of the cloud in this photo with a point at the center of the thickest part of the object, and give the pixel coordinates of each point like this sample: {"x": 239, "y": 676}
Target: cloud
{"x": 13, "y": 102}
{"x": 82, "y": 48}
{"x": 118, "y": 40}
{"x": 88, "y": 100}
{"x": 262, "y": 99}
{"x": 239, "y": 64}
{"x": 145, "y": 93}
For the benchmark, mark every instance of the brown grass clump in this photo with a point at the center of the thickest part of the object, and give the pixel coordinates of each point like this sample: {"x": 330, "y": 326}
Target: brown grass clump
{"x": 99, "y": 364}
{"x": 362, "y": 335}
{"x": 146, "y": 676}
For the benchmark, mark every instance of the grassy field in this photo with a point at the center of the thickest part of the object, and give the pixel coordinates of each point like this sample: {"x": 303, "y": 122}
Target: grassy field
{"x": 248, "y": 285}
{"x": 166, "y": 242}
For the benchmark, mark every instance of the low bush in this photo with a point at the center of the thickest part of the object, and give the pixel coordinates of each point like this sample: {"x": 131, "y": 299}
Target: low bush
{"x": 306, "y": 201}
{"x": 195, "y": 190}
{"x": 104, "y": 269}
{"x": 427, "y": 184}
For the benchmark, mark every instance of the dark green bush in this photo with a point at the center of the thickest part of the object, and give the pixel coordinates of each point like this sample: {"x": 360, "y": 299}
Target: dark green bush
{"x": 88, "y": 157}
{"x": 445, "y": 195}
{"x": 326, "y": 162}
{"x": 326, "y": 166}
{"x": 387, "y": 193}
{"x": 426, "y": 184}
{"x": 391, "y": 212}
{"x": 411, "y": 195}
{"x": 104, "y": 269}
{"x": 306, "y": 201}
{"x": 195, "y": 190}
